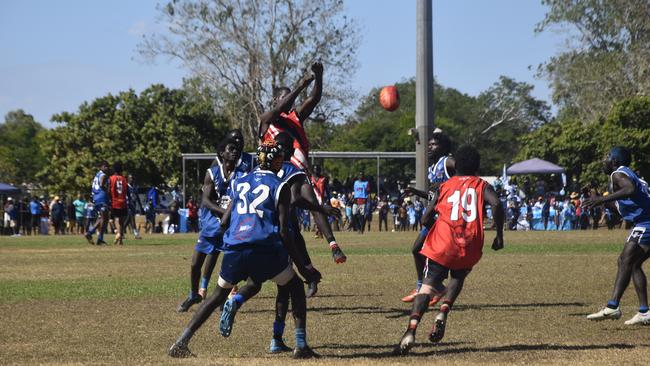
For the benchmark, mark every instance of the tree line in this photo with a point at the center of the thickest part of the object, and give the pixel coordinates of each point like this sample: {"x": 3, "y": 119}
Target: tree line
{"x": 600, "y": 85}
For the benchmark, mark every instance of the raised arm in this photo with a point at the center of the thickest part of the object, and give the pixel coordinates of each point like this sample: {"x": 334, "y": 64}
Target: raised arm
{"x": 307, "y": 107}
{"x": 282, "y": 105}
{"x": 492, "y": 199}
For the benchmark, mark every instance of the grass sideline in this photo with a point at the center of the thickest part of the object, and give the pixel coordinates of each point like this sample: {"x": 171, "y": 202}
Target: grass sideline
{"x": 63, "y": 301}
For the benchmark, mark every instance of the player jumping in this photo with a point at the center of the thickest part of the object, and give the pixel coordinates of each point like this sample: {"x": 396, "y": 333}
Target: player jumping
{"x": 455, "y": 242}
{"x": 631, "y": 196}
{"x": 439, "y": 149}
{"x": 257, "y": 245}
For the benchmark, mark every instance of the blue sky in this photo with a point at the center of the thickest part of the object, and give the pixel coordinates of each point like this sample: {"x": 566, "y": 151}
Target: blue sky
{"x": 58, "y": 54}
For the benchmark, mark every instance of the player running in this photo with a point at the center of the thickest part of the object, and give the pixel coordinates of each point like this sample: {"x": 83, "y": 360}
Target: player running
{"x": 455, "y": 242}
{"x": 257, "y": 245}
{"x": 100, "y": 201}
{"x": 231, "y": 163}
{"x": 439, "y": 149}
{"x": 631, "y": 196}
{"x": 118, "y": 186}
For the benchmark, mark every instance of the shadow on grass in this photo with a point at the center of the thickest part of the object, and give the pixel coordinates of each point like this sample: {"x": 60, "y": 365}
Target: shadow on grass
{"x": 394, "y": 313}
{"x": 463, "y": 350}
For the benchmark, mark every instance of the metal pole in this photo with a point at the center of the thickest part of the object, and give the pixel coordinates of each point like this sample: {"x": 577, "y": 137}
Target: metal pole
{"x": 183, "y": 182}
{"x": 423, "y": 90}
{"x": 378, "y": 176}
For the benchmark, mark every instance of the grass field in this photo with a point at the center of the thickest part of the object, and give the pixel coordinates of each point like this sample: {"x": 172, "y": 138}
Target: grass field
{"x": 63, "y": 301}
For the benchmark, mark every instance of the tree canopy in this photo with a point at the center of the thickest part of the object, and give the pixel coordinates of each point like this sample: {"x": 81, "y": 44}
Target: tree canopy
{"x": 147, "y": 132}
{"x": 20, "y": 152}
{"x": 244, "y": 49}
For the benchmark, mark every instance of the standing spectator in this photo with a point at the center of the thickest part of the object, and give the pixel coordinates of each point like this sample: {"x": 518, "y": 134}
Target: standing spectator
{"x": 79, "y": 213}
{"x": 150, "y": 217}
{"x": 70, "y": 216}
{"x": 35, "y": 211}
{"x": 132, "y": 203}
{"x": 57, "y": 216}
{"x": 402, "y": 217}
{"x": 419, "y": 210}
{"x": 45, "y": 216}
{"x": 336, "y": 203}
{"x": 371, "y": 205}
{"x": 10, "y": 217}
{"x": 394, "y": 210}
{"x": 383, "y": 213}
{"x": 174, "y": 217}
{"x": 192, "y": 215}
{"x": 24, "y": 217}
{"x": 410, "y": 211}
{"x": 90, "y": 214}
{"x": 361, "y": 191}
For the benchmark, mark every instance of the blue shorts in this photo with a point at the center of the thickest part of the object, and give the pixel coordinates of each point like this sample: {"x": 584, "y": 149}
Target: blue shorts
{"x": 640, "y": 233}
{"x": 100, "y": 207}
{"x": 209, "y": 245}
{"x": 260, "y": 263}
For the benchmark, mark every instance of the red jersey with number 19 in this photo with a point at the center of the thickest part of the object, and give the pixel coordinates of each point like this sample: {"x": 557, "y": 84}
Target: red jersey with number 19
{"x": 456, "y": 239}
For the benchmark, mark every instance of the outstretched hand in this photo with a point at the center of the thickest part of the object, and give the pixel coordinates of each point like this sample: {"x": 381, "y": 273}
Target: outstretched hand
{"x": 592, "y": 201}
{"x": 317, "y": 68}
{"x": 497, "y": 244}
{"x": 308, "y": 78}
{"x": 332, "y": 211}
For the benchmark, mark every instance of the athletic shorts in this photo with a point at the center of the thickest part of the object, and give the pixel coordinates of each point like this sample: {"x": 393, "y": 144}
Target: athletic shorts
{"x": 258, "y": 263}
{"x": 640, "y": 233}
{"x": 209, "y": 245}
{"x": 80, "y": 220}
{"x": 359, "y": 209}
{"x": 100, "y": 207}
{"x": 437, "y": 272}
{"x": 119, "y": 212}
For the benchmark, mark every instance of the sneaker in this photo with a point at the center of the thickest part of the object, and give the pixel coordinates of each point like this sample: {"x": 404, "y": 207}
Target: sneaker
{"x": 606, "y": 313}
{"x": 89, "y": 238}
{"x": 410, "y": 297}
{"x": 101, "y": 242}
{"x": 305, "y": 352}
{"x": 438, "y": 330}
{"x": 278, "y": 346}
{"x": 639, "y": 318}
{"x": 338, "y": 255}
{"x": 187, "y": 304}
{"x": 228, "y": 317}
{"x": 179, "y": 350}
{"x": 406, "y": 343}
{"x": 312, "y": 289}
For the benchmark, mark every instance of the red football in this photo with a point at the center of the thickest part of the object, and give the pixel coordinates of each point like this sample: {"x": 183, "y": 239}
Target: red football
{"x": 389, "y": 98}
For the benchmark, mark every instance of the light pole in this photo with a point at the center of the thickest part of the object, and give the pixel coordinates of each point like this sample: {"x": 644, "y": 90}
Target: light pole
{"x": 423, "y": 90}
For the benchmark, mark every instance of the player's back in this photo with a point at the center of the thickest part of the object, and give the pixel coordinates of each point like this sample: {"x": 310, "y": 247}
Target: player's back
{"x": 456, "y": 239}
{"x": 637, "y": 207}
{"x": 118, "y": 190}
{"x": 254, "y": 216}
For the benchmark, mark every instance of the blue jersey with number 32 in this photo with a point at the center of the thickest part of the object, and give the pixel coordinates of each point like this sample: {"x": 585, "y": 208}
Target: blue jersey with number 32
{"x": 637, "y": 207}
{"x": 254, "y": 216}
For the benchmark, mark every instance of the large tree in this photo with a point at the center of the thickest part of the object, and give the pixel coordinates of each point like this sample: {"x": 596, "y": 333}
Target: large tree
{"x": 581, "y": 148}
{"x": 146, "y": 132}
{"x": 20, "y": 154}
{"x": 242, "y": 50}
{"x": 607, "y": 57}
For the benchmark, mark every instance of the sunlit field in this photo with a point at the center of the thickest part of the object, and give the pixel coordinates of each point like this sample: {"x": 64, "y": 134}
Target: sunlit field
{"x": 63, "y": 301}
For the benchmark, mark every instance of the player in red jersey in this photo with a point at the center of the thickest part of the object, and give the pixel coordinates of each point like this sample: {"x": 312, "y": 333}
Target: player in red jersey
{"x": 118, "y": 186}
{"x": 455, "y": 242}
{"x": 283, "y": 117}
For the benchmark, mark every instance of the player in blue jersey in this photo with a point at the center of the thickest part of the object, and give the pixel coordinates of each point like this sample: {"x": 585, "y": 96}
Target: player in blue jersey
{"x": 230, "y": 164}
{"x": 257, "y": 245}
{"x": 99, "y": 192}
{"x": 631, "y": 197}
{"x": 439, "y": 149}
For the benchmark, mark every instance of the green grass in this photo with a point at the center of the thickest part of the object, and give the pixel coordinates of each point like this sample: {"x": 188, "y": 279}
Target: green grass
{"x": 63, "y": 301}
